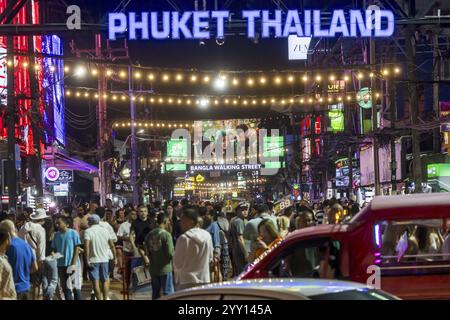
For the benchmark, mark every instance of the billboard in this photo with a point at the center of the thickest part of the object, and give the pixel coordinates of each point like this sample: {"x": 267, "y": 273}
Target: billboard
{"x": 384, "y": 154}
{"x": 336, "y": 116}
{"x": 53, "y": 85}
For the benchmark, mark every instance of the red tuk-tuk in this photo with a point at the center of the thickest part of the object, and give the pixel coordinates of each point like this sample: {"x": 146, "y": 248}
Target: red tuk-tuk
{"x": 398, "y": 243}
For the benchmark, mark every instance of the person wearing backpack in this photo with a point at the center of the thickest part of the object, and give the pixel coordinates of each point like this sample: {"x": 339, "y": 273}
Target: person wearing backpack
{"x": 34, "y": 234}
{"x": 224, "y": 233}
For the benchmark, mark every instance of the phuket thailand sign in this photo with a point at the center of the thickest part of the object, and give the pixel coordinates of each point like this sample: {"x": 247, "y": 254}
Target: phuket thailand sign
{"x": 270, "y": 23}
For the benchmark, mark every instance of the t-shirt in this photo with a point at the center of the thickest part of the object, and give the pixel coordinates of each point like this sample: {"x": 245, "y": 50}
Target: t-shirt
{"x": 124, "y": 231}
{"x": 20, "y": 257}
{"x": 65, "y": 243}
{"x": 159, "y": 245}
{"x": 7, "y": 287}
{"x": 141, "y": 229}
{"x": 237, "y": 229}
{"x": 214, "y": 230}
{"x": 34, "y": 235}
{"x": 99, "y": 244}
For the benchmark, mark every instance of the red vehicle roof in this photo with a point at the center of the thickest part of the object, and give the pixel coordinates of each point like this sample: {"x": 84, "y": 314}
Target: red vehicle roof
{"x": 413, "y": 206}
{"x": 324, "y": 229}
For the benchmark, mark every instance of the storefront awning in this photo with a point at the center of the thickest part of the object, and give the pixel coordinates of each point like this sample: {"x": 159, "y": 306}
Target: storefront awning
{"x": 59, "y": 159}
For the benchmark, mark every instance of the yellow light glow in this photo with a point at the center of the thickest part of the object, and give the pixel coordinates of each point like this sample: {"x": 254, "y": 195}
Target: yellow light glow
{"x": 254, "y": 101}
{"x": 290, "y": 78}
{"x": 114, "y": 97}
{"x": 235, "y": 82}
{"x": 397, "y": 70}
{"x": 371, "y": 75}
{"x": 68, "y": 93}
{"x": 250, "y": 82}
{"x": 179, "y": 101}
{"x": 94, "y": 72}
{"x": 109, "y": 73}
{"x": 305, "y": 78}
{"x": 25, "y": 64}
{"x": 385, "y": 72}
{"x": 235, "y": 101}
{"x": 123, "y": 97}
{"x": 179, "y": 77}
{"x": 346, "y": 78}
{"x": 318, "y": 78}
{"x": 332, "y": 78}
{"x": 188, "y": 101}
{"x": 165, "y": 77}
{"x": 227, "y": 101}
{"x": 263, "y": 101}
{"x": 170, "y": 100}
{"x": 277, "y": 80}
{"x": 66, "y": 69}
{"x": 193, "y": 78}
{"x": 138, "y": 75}
{"x": 263, "y": 80}
{"x": 151, "y": 77}
{"x": 122, "y": 74}
{"x": 152, "y": 100}
{"x": 78, "y": 94}
{"x": 302, "y": 100}
{"x": 160, "y": 100}
{"x": 206, "y": 79}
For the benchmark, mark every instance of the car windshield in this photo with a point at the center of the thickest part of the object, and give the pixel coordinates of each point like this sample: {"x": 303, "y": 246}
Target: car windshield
{"x": 357, "y": 294}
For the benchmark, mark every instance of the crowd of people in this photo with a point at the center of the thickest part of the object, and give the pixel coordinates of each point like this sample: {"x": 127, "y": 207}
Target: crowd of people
{"x": 48, "y": 254}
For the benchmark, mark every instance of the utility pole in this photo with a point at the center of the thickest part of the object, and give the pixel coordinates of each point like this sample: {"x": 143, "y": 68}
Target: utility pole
{"x": 99, "y": 54}
{"x": 436, "y": 78}
{"x": 102, "y": 139}
{"x": 412, "y": 93}
{"x": 133, "y": 139}
{"x": 373, "y": 85}
{"x": 11, "y": 116}
{"x": 35, "y": 114}
{"x": 391, "y": 100}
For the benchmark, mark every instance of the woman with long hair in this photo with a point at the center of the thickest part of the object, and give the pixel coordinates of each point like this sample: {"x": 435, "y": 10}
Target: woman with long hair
{"x": 268, "y": 237}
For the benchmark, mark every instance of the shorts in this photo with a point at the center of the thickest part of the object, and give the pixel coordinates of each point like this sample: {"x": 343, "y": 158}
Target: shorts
{"x": 99, "y": 271}
{"x": 36, "y": 278}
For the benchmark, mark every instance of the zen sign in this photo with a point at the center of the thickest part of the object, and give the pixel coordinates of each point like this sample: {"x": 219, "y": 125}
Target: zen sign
{"x": 55, "y": 176}
{"x": 298, "y": 47}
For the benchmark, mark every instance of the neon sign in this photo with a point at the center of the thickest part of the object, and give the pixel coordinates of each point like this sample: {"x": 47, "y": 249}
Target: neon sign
{"x": 196, "y": 24}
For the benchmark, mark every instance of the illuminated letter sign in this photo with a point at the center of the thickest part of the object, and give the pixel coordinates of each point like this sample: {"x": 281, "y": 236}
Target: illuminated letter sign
{"x": 306, "y": 23}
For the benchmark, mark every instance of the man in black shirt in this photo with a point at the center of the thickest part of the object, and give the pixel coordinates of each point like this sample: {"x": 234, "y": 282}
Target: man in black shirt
{"x": 139, "y": 230}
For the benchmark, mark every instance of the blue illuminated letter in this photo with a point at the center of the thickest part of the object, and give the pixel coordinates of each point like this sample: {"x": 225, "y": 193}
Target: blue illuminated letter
{"x": 199, "y": 25}
{"x": 268, "y": 23}
{"x": 389, "y": 31}
{"x": 338, "y": 24}
{"x": 180, "y": 25}
{"x": 220, "y": 16}
{"x": 134, "y": 25}
{"x": 113, "y": 27}
{"x": 318, "y": 32}
{"x": 307, "y": 23}
{"x": 292, "y": 16}
{"x": 165, "y": 32}
{"x": 356, "y": 20}
{"x": 250, "y": 16}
